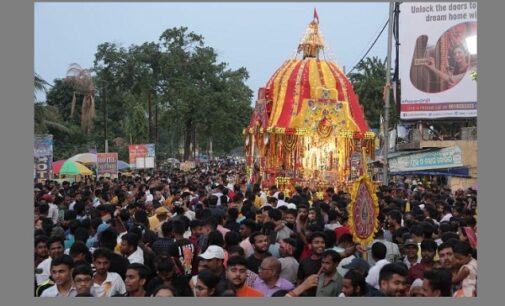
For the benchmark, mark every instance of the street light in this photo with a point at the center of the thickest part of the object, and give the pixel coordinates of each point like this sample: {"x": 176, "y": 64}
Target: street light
{"x": 387, "y": 96}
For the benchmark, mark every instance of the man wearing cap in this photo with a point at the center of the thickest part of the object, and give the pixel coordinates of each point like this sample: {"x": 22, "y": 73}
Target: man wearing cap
{"x": 428, "y": 250}
{"x": 213, "y": 259}
{"x": 160, "y": 216}
{"x": 416, "y": 289}
{"x": 410, "y": 248}
{"x": 289, "y": 265}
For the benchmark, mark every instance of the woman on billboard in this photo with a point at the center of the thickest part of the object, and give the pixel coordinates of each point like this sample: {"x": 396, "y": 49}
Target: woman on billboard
{"x": 460, "y": 63}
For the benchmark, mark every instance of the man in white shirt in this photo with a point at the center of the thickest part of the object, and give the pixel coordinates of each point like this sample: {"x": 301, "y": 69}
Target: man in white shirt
{"x": 53, "y": 213}
{"x": 218, "y": 193}
{"x": 393, "y": 251}
{"x": 379, "y": 255}
{"x": 345, "y": 242}
{"x": 61, "y": 272}
{"x": 446, "y": 213}
{"x": 105, "y": 283}
{"x": 56, "y": 249}
{"x": 280, "y": 200}
{"x": 130, "y": 249}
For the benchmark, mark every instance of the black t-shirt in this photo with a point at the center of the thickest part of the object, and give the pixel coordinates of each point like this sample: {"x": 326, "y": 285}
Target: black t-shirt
{"x": 184, "y": 251}
{"x": 232, "y": 226}
{"x": 307, "y": 267}
{"x": 254, "y": 263}
{"x": 119, "y": 264}
{"x": 218, "y": 211}
{"x": 149, "y": 237}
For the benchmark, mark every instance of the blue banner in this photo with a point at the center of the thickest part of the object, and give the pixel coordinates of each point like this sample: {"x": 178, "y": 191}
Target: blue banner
{"x": 43, "y": 157}
{"x": 443, "y": 158}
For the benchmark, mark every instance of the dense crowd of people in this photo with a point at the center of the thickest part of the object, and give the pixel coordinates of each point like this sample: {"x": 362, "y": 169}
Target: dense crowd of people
{"x": 207, "y": 232}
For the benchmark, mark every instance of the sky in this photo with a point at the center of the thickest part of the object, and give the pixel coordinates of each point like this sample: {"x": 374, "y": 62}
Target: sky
{"x": 257, "y": 36}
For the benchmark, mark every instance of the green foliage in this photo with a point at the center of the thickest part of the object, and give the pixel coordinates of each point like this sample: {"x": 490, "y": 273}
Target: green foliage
{"x": 197, "y": 98}
{"x": 135, "y": 124}
{"x": 368, "y": 83}
{"x": 39, "y": 85}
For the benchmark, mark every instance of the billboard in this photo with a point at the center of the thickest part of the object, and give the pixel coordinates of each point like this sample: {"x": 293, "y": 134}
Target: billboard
{"x": 141, "y": 155}
{"x": 106, "y": 164}
{"x": 438, "y": 55}
{"x": 43, "y": 157}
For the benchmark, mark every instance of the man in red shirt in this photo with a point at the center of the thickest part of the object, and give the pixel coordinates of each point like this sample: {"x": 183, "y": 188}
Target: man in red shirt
{"x": 236, "y": 273}
{"x": 428, "y": 250}
{"x": 344, "y": 229}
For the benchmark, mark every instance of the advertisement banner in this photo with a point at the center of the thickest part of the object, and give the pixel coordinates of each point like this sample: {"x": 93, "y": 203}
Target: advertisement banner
{"x": 106, "y": 164}
{"x": 438, "y": 56}
{"x": 140, "y": 150}
{"x": 443, "y": 158}
{"x": 43, "y": 158}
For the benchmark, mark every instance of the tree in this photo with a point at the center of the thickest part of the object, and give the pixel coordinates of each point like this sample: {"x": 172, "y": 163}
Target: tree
{"x": 368, "y": 83}
{"x": 82, "y": 82}
{"x": 135, "y": 124}
{"x": 46, "y": 117}
{"x": 54, "y": 117}
{"x": 195, "y": 97}
{"x": 39, "y": 85}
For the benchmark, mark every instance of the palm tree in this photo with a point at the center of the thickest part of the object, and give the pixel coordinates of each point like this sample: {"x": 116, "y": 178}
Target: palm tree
{"x": 46, "y": 117}
{"x": 39, "y": 85}
{"x": 83, "y": 84}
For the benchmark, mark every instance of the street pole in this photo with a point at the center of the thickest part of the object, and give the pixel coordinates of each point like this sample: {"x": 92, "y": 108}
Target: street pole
{"x": 105, "y": 120}
{"x": 149, "y": 111}
{"x": 156, "y": 135}
{"x": 388, "y": 96}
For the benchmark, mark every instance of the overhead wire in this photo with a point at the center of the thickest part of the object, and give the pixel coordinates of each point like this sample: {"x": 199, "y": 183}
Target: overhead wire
{"x": 370, "y": 48}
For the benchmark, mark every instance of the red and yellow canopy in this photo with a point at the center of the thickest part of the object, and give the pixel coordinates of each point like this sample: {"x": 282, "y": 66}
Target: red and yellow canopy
{"x": 304, "y": 94}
